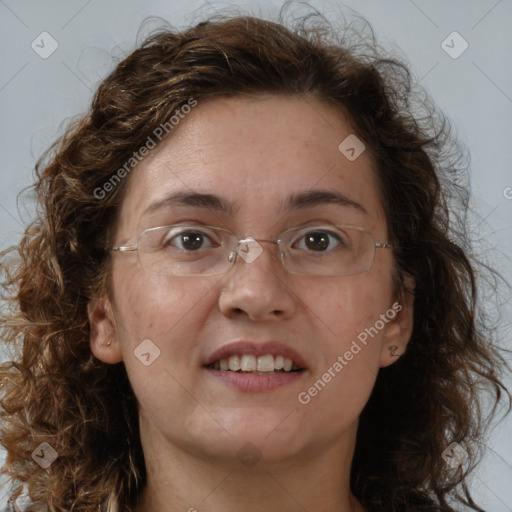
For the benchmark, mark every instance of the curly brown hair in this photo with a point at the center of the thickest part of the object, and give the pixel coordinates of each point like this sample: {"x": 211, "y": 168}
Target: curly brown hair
{"x": 54, "y": 390}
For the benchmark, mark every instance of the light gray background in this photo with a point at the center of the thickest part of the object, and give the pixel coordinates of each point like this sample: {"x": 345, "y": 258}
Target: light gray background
{"x": 474, "y": 90}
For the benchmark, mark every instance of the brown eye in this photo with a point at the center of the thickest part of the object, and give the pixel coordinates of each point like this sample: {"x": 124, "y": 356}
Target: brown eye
{"x": 318, "y": 241}
{"x": 189, "y": 240}
{"x": 192, "y": 240}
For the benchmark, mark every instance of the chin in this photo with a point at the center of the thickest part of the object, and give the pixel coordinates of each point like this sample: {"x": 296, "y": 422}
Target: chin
{"x": 267, "y": 434}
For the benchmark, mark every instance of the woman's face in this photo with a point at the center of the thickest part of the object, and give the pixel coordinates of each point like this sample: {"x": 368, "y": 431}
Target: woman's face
{"x": 265, "y": 158}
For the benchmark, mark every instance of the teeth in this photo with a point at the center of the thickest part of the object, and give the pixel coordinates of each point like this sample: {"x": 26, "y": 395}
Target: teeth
{"x": 266, "y": 363}
{"x": 234, "y": 363}
{"x": 249, "y": 363}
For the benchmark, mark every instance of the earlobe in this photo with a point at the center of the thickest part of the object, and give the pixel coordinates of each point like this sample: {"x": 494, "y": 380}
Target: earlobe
{"x": 104, "y": 342}
{"x": 399, "y": 329}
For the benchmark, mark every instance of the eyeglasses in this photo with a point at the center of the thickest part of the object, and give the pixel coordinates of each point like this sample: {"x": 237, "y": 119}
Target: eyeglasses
{"x": 198, "y": 250}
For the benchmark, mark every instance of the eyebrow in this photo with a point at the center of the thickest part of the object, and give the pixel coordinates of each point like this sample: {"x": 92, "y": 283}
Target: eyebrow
{"x": 196, "y": 199}
{"x": 318, "y": 197}
{"x": 297, "y": 201}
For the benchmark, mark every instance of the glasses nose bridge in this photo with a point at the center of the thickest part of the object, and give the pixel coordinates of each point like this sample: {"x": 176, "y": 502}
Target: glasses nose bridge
{"x": 246, "y": 240}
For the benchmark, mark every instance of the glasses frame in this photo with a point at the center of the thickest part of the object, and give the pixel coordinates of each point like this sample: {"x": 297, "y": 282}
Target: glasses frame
{"x": 233, "y": 254}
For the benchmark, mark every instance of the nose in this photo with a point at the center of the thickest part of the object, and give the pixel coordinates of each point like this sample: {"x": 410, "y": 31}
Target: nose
{"x": 257, "y": 286}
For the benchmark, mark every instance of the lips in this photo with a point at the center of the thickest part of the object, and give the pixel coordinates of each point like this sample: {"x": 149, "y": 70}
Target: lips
{"x": 273, "y": 348}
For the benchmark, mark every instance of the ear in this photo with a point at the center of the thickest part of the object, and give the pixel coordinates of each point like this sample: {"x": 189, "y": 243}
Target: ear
{"x": 104, "y": 341}
{"x": 399, "y": 329}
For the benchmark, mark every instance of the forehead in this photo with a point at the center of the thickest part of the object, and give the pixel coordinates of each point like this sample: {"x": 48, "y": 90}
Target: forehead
{"x": 256, "y": 153}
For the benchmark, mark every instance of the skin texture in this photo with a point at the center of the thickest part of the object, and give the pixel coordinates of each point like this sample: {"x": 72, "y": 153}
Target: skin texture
{"x": 254, "y": 153}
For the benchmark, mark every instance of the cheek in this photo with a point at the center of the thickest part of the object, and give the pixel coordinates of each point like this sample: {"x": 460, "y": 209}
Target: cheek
{"x": 347, "y": 312}
{"x": 171, "y": 314}
{"x": 349, "y": 304}
{"x": 165, "y": 310}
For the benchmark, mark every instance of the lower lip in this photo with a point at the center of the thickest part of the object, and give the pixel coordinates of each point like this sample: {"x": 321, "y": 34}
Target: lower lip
{"x": 255, "y": 383}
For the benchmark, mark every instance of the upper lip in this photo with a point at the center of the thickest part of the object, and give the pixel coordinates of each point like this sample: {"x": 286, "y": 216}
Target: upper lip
{"x": 274, "y": 348}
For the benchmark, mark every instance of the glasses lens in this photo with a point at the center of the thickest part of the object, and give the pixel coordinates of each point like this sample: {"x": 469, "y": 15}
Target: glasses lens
{"x": 181, "y": 250}
{"x": 328, "y": 250}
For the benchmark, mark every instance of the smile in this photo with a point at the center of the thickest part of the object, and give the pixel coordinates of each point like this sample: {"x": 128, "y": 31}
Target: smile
{"x": 248, "y": 363}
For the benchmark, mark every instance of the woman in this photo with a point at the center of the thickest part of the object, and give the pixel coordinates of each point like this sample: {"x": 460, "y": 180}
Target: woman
{"x": 244, "y": 290}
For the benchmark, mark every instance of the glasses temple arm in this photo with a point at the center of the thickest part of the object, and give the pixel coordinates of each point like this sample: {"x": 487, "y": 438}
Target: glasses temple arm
{"x": 122, "y": 248}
